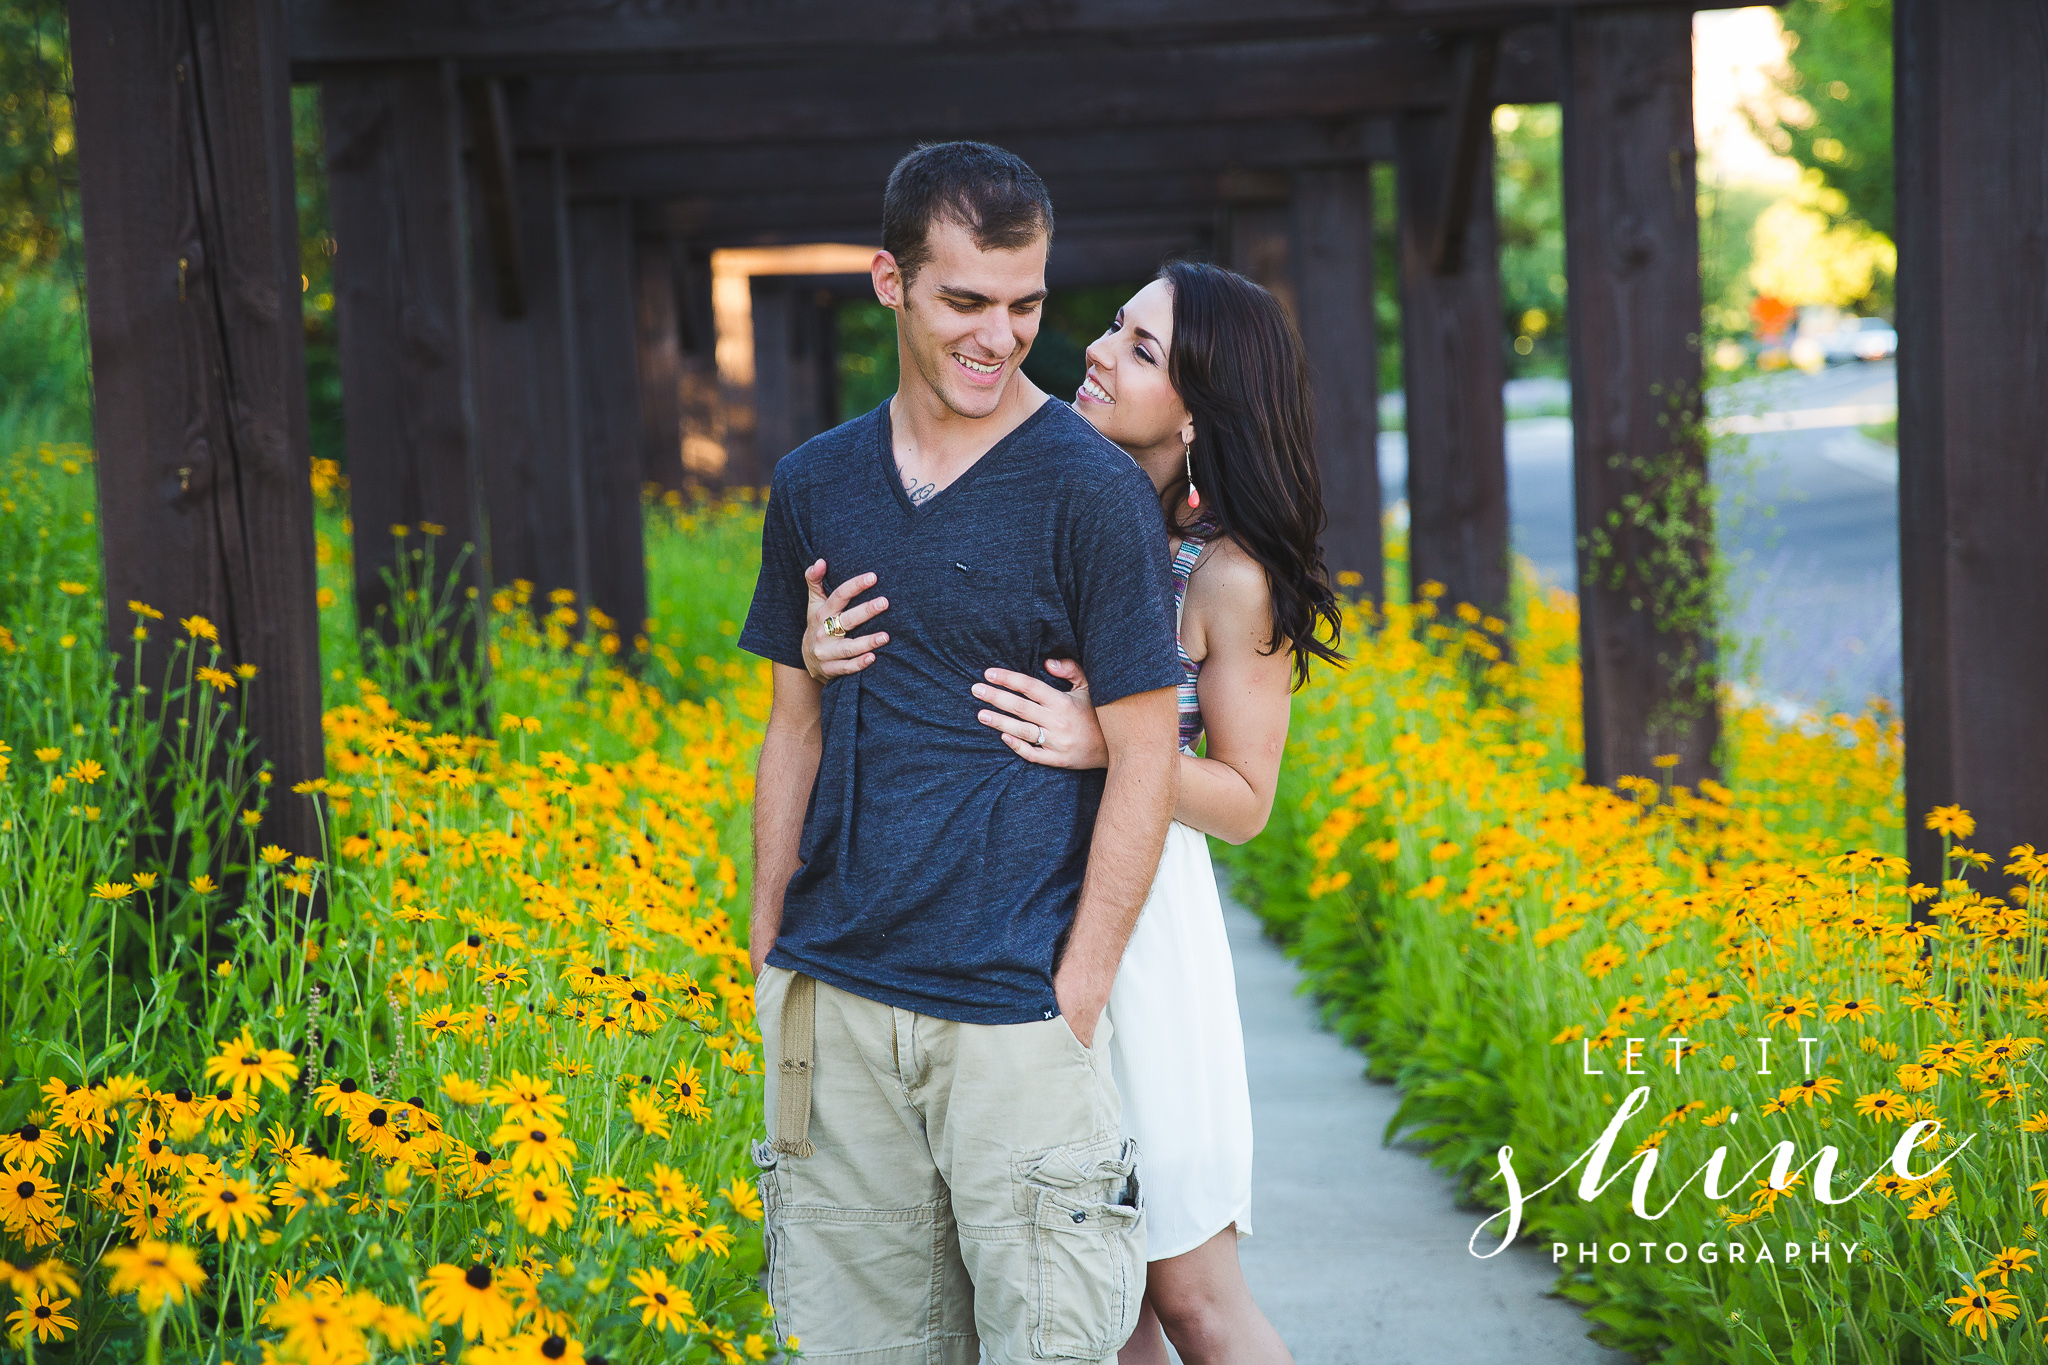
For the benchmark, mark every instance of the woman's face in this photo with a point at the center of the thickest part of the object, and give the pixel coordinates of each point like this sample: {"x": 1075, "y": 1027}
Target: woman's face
{"x": 1127, "y": 396}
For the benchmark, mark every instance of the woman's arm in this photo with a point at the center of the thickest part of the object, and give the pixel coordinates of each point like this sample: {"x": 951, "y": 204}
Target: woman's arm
{"x": 1245, "y": 699}
{"x": 1244, "y": 694}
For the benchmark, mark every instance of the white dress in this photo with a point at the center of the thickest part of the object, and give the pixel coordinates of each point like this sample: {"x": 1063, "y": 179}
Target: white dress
{"x": 1176, "y": 1047}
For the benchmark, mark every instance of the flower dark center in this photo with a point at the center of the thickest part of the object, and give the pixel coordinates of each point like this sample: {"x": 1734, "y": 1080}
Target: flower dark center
{"x": 477, "y": 1277}
{"x": 42, "y": 1310}
{"x": 376, "y": 1118}
{"x": 475, "y": 940}
{"x": 482, "y": 1158}
{"x": 347, "y": 1086}
{"x": 554, "y": 1348}
{"x": 417, "y": 1103}
{"x": 28, "y": 1132}
{"x": 182, "y": 1095}
{"x": 539, "y": 1136}
{"x": 661, "y": 1298}
{"x": 156, "y": 1148}
{"x": 640, "y": 996}
{"x": 26, "y": 1189}
{"x": 230, "y": 1197}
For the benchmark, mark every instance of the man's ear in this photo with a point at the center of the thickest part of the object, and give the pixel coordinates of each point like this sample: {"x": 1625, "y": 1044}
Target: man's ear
{"x": 888, "y": 279}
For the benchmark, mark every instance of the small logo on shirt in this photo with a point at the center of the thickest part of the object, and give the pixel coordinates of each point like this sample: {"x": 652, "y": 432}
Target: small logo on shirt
{"x": 1048, "y": 1014}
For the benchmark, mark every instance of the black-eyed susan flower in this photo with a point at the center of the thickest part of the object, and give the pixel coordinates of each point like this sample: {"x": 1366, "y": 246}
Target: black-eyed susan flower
{"x": 1887, "y": 1106}
{"x": 1977, "y": 1310}
{"x": 42, "y": 1313}
{"x": 651, "y": 1117}
{"x": 467, "y": 1296}
{"x": 689, "y": 1240}
{"x": 156, "y": 1272}
{"x": 27, "y": 1195}
{"x": 686, "y": 1092}
{"x": 343, "y": 1097}
{"x": 528, "y": 1100}
{"x": 676, "y": 1194}
{"x": 744, "y": 1198}
{"x": 537, "y": 1147}
{"x": 116, "y": 1188}
{"x": 30, "y": 1143}
{"x": 538, "y": 1200}
{"x": 664, "y": 1306}
{"x": 225, "y": 1205}
{"x": 2009, "y": 1261}
{"x": 1932, "y": 1205}
{"x": 147, "y": 1217}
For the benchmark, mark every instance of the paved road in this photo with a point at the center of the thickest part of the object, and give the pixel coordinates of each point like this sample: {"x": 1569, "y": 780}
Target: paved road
{"x": 1359, "y": 1255}
{"x": 1812, "y": 526}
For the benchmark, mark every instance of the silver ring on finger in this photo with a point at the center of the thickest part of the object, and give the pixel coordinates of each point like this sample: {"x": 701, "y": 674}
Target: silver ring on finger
{"x": 834, "y": 626}
{"x": 1040, "y": 741}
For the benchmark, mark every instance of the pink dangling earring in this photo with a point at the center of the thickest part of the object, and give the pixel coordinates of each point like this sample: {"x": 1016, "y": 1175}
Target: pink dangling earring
{"x": 1187, "y": 452}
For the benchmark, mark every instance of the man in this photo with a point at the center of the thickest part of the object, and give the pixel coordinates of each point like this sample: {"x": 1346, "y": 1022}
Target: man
{"x": 937, "y": 923}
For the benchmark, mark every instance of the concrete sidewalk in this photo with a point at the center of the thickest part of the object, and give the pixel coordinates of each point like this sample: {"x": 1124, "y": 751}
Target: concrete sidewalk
{"x": 1359, "y": 1254}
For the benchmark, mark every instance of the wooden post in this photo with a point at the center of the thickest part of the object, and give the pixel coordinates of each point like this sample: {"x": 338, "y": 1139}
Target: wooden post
{"x": 606, "y": 341}
{"x": 1333, "y": 273}
{"x": 199, "y": 406}
{"x": 532, "y": 478}
{"x": 1632, "y": 258}
{"x": 661, "y": 366}
{"x": 703, "y": 415}
{"x": 1259, "y": 246}
{"x": 402, "y": 289}
{"x": 795, "y": 353}
{"x": 1971, "y": 121}
{"x": 1453, "y": 368}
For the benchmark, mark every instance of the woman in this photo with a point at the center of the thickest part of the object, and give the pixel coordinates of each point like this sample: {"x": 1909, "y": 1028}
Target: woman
{"x": 1201, "y": 379}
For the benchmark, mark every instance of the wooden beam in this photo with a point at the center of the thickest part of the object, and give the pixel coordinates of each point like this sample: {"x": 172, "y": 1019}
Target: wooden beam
{"x": 1469, "y": 149}
{"x": 608, "y": 393}
{"x": 1333, "y": 273}
{"x": 522, "y": 37}
{"x": 703, "y": 414}
{"x": 661, "y": 365}
{"x": 1194, "y": 194}
{"x": 402, "y": 289}
{"x": 491, "y": 133}
{"x": 1639, "y": 461}
{"x": 1971, "y": 119}
{"x": 997, "y": 96}
{"x": 183, "y": 118}
{"x": 1260, "y": 246}
{"x": 831, "y": 166}
{"x": 533, "y": 481}
{"x": 1452, "y": 372}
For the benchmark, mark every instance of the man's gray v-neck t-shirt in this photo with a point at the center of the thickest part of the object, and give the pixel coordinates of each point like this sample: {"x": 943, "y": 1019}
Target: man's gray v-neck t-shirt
{"x": 940, "y": 871}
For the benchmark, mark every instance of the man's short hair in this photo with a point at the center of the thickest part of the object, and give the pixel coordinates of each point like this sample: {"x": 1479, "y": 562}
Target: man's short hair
{"x": 990, "y": 192}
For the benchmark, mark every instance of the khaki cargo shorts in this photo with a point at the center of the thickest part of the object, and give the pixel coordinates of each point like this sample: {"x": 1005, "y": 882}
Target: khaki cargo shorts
{"x": 967, "y": 1187}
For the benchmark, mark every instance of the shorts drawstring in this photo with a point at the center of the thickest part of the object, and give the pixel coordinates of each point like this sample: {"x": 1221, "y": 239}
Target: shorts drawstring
{"x": 799, "y": 1040}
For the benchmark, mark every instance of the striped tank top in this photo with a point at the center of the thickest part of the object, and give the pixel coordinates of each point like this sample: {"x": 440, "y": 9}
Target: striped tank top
{"x": 1191, "y": 547}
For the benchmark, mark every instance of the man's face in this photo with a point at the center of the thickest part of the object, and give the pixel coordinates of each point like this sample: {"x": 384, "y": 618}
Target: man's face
{"x": 969, "y": 317}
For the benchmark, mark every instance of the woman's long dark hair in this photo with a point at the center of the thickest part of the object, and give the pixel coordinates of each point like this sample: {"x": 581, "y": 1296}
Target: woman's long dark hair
{"x": 1237, "y": 364}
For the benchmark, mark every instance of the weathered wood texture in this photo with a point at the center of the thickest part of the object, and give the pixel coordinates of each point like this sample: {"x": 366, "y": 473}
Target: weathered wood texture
{"x": 1259, "y": 245}
{"x": 490, "y": 133}
{"x": 1972, "y": 120}
{"x": 703, "y": 416}
{"x": 526, "y": 440}
{"x": 836, "y": 165}
{"x": 1632, "y": 259}
{"x": 523, "y": 34}
{"x": 795, "y": 355}
{"x": 191, "y": 247}
{"x": 1453, "y": 369}
{"x": 661, "y": 365}
{"x": 402, "y": 297}
{"x": 608, "y": 386}
{"x": 1333, "y": 272}
{"x": 936, "y": 95}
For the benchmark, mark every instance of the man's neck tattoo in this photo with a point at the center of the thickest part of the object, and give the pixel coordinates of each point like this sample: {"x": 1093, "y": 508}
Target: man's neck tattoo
{"x": 919, "y": 492}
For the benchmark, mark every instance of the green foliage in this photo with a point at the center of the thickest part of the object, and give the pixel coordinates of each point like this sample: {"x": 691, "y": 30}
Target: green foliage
{"x": 1841, "y": 67}
{"x": 316, "y": 265}
{"x": 38, "y": 158}
{"x": 45, "y": 385}
{"x": 1530, "y": 191}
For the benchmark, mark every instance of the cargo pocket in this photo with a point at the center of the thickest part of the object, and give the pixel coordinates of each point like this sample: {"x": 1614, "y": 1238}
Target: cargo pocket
{"x": 769, "y": 1181}
{"x": 1087, "y": 1248}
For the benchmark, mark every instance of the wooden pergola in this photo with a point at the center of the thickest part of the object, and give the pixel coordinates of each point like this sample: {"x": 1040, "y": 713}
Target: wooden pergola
{"x": 527, "y": 196}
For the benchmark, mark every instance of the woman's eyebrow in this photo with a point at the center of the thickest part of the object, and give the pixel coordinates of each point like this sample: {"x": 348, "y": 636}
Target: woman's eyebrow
{"x": 1140, "y": 331}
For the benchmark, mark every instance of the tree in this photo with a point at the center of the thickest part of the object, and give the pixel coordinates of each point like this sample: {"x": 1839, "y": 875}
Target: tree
{"x": 38, "y": 166}
{"x": 1835, "y": 114}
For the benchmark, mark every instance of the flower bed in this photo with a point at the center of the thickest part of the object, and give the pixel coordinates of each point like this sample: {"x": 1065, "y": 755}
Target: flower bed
{"x": 1521, "y": 952}
{"x": 473, "y": 1080}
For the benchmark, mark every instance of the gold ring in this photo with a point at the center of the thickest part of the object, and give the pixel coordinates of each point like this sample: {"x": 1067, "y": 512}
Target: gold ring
{"x": 834, "y": 626}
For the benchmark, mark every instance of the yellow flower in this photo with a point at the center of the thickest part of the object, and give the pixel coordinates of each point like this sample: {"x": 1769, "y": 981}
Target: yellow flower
{"x": 70, "y": 589}
{"x": 1977, "y": 1311}
{"x": 216, "y": 679}
{"x": 48, "y": 755}
{"x": 222, "y": 1203}
{"x": 142, "y": 609}
{"x": 246, "y": 1067}
{"x": 538, "y": 1200}
{"x": 199, "y": 628}
{"x": 663, "y": 1306}
{"x": 744, "y": 1198}
{"x": 1603, "y": 960}
{"x": 1952, "y": 820}
{"x": 273, "y": 854}
{"x": 470, "y": 1296}
{"x": 42, "y": 1314}
{"x": 537, "y": 1147}
{"x": 2006, "y": 1262}
{"x": 204, "y": 885}
{"x": 112, "y": 891}
{"x": 1886, "y": 1105}
{"x": 87, "y": 771}
{"x": 156, "y": 1272}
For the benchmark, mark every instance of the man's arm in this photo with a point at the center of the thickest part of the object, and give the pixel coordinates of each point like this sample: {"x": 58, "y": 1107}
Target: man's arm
{"x": 1140, "y": 732}
{"x": 790, "y": 751}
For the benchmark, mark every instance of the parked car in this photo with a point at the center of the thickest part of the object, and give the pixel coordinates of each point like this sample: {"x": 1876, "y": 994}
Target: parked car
{"x": 1859, "y": 339}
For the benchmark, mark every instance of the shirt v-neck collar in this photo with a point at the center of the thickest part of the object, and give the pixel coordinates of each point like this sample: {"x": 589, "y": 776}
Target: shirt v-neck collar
{"x": 893, "y": 475}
